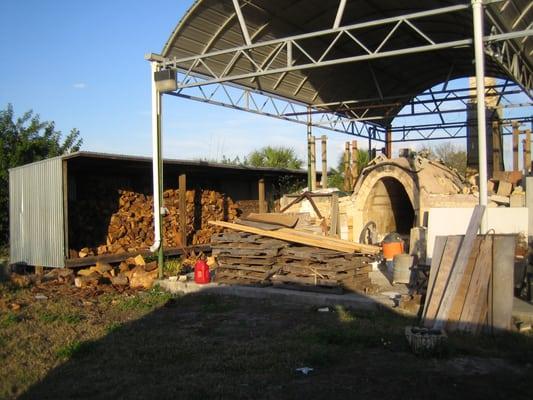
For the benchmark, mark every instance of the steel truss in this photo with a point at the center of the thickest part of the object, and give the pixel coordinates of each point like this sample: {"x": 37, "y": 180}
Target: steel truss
{"x": 261, "y": 103}
{"x": 432, "y": 102}
{"x": 348, "y": 116}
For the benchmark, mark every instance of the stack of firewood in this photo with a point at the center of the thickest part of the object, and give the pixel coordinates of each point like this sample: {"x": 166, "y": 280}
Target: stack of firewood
{"x": 244, "y": 258}
{"x": 131, "y": 228}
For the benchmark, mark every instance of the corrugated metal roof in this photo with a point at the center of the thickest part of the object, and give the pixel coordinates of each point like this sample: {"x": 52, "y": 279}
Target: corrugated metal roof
{"x": 212, "y": 25}
{"x": 195, "y": 163}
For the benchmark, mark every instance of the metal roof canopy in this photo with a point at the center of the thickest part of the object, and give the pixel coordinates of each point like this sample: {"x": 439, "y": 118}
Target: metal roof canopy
{"x": 343, "y": 62}
{"x": 348, "y": 66}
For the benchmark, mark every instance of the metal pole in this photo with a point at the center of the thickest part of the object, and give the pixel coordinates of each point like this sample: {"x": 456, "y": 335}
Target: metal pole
{"x": 157, "y": 169}
{"x": 309, "y": 134}
{"x": 477, "y": 11}
{"x": 324, "y": 181}
{"x": 313, "y": 163}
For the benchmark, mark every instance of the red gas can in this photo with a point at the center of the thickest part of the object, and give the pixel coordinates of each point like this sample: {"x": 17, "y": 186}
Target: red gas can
{"x": 201, "y": 272}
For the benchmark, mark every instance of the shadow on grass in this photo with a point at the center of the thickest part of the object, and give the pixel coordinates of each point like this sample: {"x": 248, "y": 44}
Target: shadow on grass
{"x": 207, "y": 346}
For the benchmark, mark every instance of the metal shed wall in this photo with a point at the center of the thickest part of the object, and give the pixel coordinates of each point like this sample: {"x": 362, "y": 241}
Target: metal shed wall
{"x": 36, "y": 213}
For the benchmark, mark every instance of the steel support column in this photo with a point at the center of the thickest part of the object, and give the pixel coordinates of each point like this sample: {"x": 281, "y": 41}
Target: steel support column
{"x": 157, "y": 169}
{"x": 388, "y": 142}
{"x": 477, "y": 13}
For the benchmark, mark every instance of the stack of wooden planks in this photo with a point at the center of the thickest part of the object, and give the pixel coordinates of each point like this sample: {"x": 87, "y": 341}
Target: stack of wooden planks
{"x": 130, "y": 227}
{"x": 470, "y": 287}
{"x": 305, "y": 267}
{"x": 245, "y": 258}
{"x": 305, "y": 238}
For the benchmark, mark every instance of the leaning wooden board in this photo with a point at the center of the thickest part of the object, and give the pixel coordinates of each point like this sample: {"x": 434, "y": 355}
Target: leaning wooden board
{"x": 459, "y": 267}
{"x": 482, "y": 302}
{"x": 292, "y": 235}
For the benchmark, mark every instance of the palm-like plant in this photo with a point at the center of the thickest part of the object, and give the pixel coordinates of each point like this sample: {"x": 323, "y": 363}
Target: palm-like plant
{"x": 275, "y": 157}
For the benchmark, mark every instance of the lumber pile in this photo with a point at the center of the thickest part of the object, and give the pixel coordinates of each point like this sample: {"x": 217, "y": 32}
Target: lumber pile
{"x": 245, "y": 259}
{"x": 470, "y": 286}
{"x": 250, "y": 259}
{"x": 130, "y": 227}
{"x": 304, "y": 238}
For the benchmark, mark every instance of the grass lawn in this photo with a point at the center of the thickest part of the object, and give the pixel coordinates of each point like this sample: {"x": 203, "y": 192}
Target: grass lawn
{"x": 103, "y": 344}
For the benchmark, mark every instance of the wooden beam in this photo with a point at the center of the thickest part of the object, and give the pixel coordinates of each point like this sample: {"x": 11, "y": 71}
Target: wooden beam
{"x": 334, "y": 215}
{"x": 313, "y": 163}
{"x": 182, "y": 181}
{"x": 388, "y": 142}
{"x": 347, "y": 172}
{"x": 262, "y": 200}
{"x": 113, "y": 258}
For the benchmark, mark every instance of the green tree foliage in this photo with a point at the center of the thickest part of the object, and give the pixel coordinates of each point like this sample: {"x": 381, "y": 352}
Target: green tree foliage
{"x": 275, "y": 157}
{"x": 24, "y": 140}
{"x": 452, "y": 156}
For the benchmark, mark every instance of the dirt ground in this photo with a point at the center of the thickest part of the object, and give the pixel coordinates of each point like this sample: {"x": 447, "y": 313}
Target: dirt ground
{"x": 92, "y": 343}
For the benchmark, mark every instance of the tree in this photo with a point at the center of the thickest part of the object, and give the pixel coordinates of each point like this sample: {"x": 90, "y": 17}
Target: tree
{"x": 450, "y": 155}
{"x": 25, "y": 140}
{"x": 336, "y": 175}
{"x": 275, "y": 157}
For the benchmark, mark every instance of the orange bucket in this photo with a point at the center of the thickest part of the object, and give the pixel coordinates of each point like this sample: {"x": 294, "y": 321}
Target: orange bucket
{"x": 390, "y": 249}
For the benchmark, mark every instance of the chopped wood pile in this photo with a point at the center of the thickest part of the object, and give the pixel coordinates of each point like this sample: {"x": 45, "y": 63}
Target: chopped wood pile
{"x": 249, "y": 259}
{"x": 130, "y": 227}
{"x": 133, "y": 272}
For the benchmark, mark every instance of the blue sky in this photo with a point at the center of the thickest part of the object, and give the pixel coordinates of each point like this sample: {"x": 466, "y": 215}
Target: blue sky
{"x": 81, "y": 64}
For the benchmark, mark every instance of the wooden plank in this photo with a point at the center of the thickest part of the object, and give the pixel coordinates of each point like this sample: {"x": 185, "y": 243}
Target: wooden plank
{"x": 475, "y": 309}
{"x": 260, "y": 225}
{"x": 261, "y": 191}
{"x": 460, "y": 298}
{"x": 182, "y": 181}
{"x": 292, "y": 235}
{"x": 442, "y": 278}
{"x": 113, "y": 258}
{"x": 459, "y": 267}
{"x": 334, "y": 216}
{"x": 288, "y": 221}
{"x": 501, "y": 306}
{"x": 438, "y": 250}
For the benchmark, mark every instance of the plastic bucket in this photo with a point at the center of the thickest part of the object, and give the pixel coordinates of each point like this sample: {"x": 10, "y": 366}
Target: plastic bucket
{"x": 391, "y": 249}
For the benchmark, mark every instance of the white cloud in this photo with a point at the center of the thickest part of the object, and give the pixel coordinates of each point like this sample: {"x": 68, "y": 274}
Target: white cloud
{"x": 80, "y": 85}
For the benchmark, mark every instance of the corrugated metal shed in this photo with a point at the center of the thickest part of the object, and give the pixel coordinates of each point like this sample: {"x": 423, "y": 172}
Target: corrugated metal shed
{"x": 40, "y": 194}
{"x": 36, "y": 213}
